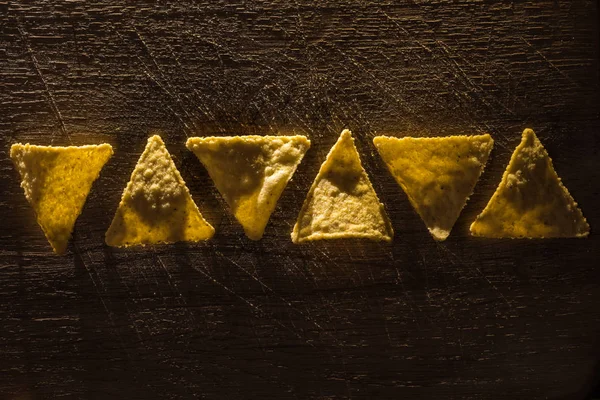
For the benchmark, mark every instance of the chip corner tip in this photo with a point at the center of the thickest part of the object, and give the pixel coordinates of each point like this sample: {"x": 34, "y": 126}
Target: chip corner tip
{"x": 304, "y": 139}
{"x": 528, "y": 133}
{"x": 108, "y": 240}
{"x": 59, "y": 248}
{"x": 253, "y": 237}
{"x": 295, "y": 236}
{"x": 487, "y": 136}
{"x": 155, "y": 138}
{"x": 473, "y": 227}
{"x": 15, "y": 148}
{"x": 586, "y": 231}
{"x": 377, "y": 140}
{"x": 108, "y": 148}
{"x": 439, "y": 234}
{"x": 190, "y": 142}
{"x": 211, "y": 231}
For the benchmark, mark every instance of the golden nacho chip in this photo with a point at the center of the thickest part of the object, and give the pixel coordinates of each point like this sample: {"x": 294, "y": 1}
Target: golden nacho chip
{"x": 156, "y": 206}
{"x": 250, "y": 172}
{"x": 341, "y": 202}
{"x": 531, "y": 201}
{"x": 437, "y": 174}
{"x": 57, "y": 181}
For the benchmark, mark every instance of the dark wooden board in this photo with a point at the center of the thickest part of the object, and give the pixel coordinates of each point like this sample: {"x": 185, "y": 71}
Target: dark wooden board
{"x": 464, "y": 319}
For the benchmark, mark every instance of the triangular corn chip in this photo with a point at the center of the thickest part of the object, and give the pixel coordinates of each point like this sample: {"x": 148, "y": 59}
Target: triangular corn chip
{"x": 341, "y": 202}
{"x": 250, "y": 172}
{"x": 156, "y": 206}
{"x": 57, "y": 181}
{"x": 531, "y": 201}
{"x": 437, "y": 174}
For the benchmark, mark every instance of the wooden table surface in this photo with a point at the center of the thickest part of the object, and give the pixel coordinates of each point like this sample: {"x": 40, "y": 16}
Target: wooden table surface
{"x": 468, "y": 318}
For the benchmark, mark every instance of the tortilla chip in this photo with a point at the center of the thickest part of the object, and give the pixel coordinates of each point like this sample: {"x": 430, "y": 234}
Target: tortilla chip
{"x": 250, "y": 172}
{"x": 156, "y": 206}
{"x": 57, "y": 181}
{"x": 531, "y": 201}
{"x": 437, "y": 174}
{"x": 341, "y": 202}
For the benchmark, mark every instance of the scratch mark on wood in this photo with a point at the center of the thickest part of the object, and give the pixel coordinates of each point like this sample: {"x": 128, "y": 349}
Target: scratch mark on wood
{"x": 50, "y": 96}
{"x": 252, "y": 305}
{"x": 285, "y": 301}
{"x": 539, "y": 53}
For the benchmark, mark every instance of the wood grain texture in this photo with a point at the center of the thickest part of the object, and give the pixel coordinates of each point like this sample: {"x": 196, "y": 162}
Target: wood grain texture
{"x": 463, "y": 319}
